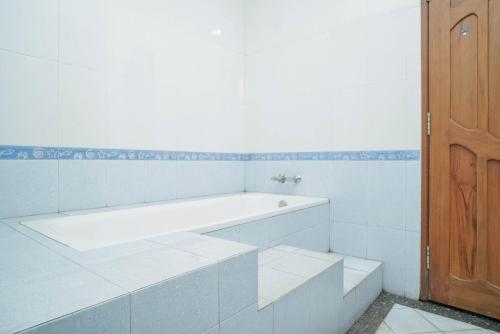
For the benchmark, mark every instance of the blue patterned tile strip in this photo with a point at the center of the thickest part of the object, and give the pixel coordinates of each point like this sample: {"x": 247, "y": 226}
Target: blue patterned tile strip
{"x": 338, "y": 155}
{"x": 78, "y": 153}
{"x": 67, "y": 153}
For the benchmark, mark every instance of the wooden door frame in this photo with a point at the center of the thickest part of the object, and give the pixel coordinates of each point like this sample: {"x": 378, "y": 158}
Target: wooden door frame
{"x": 425, "y": 152}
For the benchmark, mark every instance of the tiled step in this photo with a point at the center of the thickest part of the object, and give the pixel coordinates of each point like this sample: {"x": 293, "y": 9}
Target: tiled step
{"x": 362, "y": 285}
{"x": 308, "y": 292}
{"x": 299, "y": 291}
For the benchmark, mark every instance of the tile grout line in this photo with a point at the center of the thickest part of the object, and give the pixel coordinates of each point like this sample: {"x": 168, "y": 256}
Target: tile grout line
{"x": 58, "y": 104}
{"x": 218, "y": 293}
{"x": 437, "y": 330}
{"x": 421, "y": 313}
{"x": 130, "y": 312}
{"x": 389, "y": 327}
{"x": 406, "y": 265}
{"x": 426, "y": 320}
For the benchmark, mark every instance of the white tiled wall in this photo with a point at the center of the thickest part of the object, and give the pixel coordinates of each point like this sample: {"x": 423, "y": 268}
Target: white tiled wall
{"x": 333, "y": 75}
{"x": 235, "y": 76}
{"x": 342, "y": 75}
{"x": 30, "y": 27}
{"x": 28, "y": 100}
{"x": 159, "y": 75}
{"x": 162, "y": 75}
{"x": 225, "y": 76}
{"x": 375, "y": 209}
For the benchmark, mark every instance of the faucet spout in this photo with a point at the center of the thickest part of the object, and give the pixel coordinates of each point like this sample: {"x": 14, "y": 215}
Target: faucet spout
{"x": 282, "y": 178}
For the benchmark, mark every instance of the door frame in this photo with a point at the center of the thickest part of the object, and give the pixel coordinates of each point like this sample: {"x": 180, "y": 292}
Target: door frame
{"x": 425, "y": 152}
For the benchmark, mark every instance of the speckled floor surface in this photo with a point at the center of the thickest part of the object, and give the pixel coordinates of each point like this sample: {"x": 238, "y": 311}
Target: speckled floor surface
{"x": 378, "y": 311}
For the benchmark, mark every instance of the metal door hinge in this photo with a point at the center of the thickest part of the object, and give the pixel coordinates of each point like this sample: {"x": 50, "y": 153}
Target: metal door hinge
{"x": 428, "y": 123}
{"x": 428, "y": 258}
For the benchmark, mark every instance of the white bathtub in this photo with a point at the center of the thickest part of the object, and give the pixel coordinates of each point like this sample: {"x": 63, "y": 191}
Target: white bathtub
{"x": 94, "y": 230}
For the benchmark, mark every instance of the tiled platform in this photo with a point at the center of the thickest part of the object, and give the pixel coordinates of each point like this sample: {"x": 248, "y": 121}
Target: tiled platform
{"x": 142, "y": 287}
{"x": 407, "y": 320}
{"x": 286, "y": 270}
{"x": 283, "y": 269}
{"x": 300, "y": 291}
{"x": 146, "y": 286}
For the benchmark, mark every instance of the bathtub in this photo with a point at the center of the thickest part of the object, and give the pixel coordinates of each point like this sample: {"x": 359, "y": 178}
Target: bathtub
{"x": 95, "y": 230}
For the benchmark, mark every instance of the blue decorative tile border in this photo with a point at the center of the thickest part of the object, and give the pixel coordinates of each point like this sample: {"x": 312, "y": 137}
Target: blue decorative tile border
{"x": 338, "y": 155}
{"x": 66, "y": 153}
{"x": 72, "y": 153}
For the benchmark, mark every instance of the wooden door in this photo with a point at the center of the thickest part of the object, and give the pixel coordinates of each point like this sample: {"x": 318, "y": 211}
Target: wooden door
{"x": 464, "y": 161}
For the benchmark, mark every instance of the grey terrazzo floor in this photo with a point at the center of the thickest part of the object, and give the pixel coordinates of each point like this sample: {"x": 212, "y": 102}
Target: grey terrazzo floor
{"x": 374, "y": 317}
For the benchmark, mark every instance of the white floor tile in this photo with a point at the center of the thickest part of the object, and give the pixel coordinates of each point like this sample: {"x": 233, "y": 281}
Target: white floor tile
{"x": 270, "y": 255}
{"x": 405, "y": 320}
{"x": 446, "y": 324}
{"x": 360, "y": 264}
{"x": 274, "y": 284}
{"x": 352, "y": 278}
{"x": 286, "y": 248}
{"x": 330, "y": 257}
{"x": 408, "y": 321}
{"x": 263, "y": 302}
{"x": 300, "y": 265}
{"x": 470, "y": 331}
{"x": 383, "y": 329}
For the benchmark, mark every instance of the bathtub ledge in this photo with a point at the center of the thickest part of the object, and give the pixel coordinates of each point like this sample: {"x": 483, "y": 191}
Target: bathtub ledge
{"x": 122, "y": 282}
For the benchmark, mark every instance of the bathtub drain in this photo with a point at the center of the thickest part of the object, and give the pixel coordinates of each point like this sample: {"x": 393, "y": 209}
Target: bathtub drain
{"x": 282, "y": 203}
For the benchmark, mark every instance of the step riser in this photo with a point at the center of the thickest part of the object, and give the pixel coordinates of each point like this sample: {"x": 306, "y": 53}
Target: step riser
{"x": 357, "y": 301}
{"x": 312, "y": 307}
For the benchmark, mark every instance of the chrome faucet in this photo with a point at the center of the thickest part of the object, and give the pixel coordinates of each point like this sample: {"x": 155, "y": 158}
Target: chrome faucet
{"x": 282, "y": 178}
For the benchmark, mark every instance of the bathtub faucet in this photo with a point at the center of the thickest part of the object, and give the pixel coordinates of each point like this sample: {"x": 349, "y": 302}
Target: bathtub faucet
{"x": 282, "y": 178}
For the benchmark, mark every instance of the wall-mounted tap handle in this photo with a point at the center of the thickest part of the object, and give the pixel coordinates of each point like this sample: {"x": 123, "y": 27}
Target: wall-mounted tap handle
{"x": 280, "y": 178}
{"x": 294, "y": 179}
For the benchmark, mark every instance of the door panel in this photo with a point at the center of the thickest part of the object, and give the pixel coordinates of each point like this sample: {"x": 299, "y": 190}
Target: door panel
{"x": 463, "y": 211}
{"x": 464, "y": 161}
{"x": 464, "y": 72}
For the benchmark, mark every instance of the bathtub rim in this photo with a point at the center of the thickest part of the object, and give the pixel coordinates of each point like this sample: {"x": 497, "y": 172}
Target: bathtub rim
{"x": 198, "y": 229}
